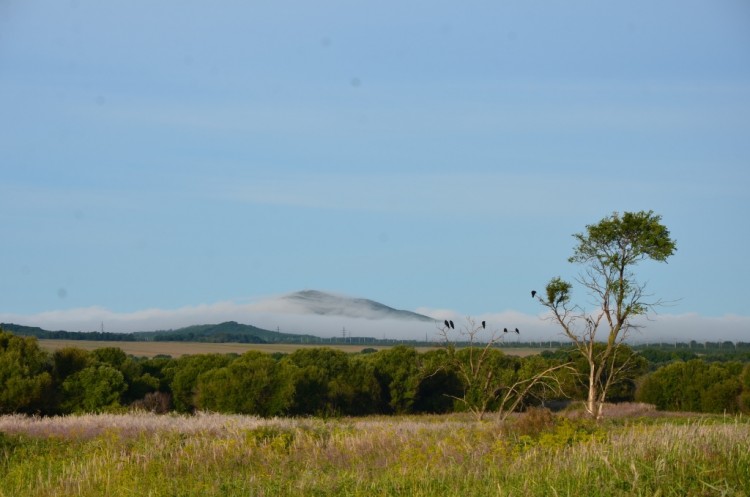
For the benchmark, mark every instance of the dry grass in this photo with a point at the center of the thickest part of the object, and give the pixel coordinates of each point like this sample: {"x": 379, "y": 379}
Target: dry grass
{"x": 219, "y": 455}
{"x": 177, "y": 349}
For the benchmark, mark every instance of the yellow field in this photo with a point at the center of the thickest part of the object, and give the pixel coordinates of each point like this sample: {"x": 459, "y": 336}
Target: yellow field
{"x": 177, "y": 349}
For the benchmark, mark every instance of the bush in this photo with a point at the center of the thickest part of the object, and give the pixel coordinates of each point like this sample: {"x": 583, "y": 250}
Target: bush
{"x": 156, "y": 402}
{"x": 534, "y": 421}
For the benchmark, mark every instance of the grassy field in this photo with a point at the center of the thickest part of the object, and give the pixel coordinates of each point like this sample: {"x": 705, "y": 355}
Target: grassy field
{"x": 431, "y": 456}
{"x": 177, "y": 349}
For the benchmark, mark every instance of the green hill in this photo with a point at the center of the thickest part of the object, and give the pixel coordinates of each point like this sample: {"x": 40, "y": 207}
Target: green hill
{"x": 227, "y": 332}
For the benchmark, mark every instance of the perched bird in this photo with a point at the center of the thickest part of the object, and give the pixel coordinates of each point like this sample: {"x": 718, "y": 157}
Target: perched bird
{"x": 518, "y": 331}
{"x": 446, "y": 324}
{"x": 484, "y": 324}
{"x": 533, "y": 294}
{"x": 452, "y": 327}
{"x": 505, "y": 330}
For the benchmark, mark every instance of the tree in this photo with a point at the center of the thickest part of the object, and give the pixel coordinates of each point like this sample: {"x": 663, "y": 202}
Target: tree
{"x": 398, "y": 371}
{"x": 608, "y": 251}
{"x": 744, "y": 400}
{"x": 25, "y": 381}
{"x": 695, "y": 385}
{"x": 182, "y": 376}
{"x": 255, "y": 383}
{"x": 440, "y": 384}
{"x": 93, "y": 389}
{"x": 322, "y": 381}
{"x": 630, "y": 364}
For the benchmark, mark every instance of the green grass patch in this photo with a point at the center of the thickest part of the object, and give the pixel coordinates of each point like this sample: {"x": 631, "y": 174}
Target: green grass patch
{"x": 430, "y": 456}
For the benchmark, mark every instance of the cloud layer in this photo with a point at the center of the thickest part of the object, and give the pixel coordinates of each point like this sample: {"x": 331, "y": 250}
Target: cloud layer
{"x": 288, "y": 316}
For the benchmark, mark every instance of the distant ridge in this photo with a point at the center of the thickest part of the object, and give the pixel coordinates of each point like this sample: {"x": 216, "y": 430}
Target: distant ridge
{"x": 229, "y": 331}
{"x": 327, "y": 304}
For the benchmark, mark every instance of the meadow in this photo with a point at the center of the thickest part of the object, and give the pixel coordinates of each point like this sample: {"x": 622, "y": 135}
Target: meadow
{"x": 639, "y": 452}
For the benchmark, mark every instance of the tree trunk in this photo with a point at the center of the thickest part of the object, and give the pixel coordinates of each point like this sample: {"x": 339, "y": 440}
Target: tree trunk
{"x": 591, "y": 401}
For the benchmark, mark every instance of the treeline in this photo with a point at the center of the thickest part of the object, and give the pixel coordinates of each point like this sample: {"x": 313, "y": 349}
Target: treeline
{"x": 698, "y": 386}
{"x": 325, "y": 382}
{"x": 100, "y": 336}
{"x": 659, "y": 356}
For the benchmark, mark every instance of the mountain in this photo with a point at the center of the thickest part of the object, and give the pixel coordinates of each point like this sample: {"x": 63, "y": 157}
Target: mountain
{"x": 326, "y": 304}
{"x": 308, "y": 315}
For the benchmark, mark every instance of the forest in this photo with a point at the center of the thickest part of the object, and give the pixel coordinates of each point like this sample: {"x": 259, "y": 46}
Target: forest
{"x": 321, "y": 381}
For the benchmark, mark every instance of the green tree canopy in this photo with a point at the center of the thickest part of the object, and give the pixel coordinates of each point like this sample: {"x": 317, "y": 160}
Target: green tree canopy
{"x": 93, "y": 389}
{"x": 25, "y": 380}
{"x": 182, "y": 374}
{"x": 254, "y": 383}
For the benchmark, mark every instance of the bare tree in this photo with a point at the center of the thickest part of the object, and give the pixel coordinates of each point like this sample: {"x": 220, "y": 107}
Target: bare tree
{"x": 608, "y": 250}
{"x": 491, "y": 379}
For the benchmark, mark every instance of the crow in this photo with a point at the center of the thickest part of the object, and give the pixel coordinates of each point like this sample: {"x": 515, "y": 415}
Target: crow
{"x": 533, "y": 294}
{"x": 518, "y": 331}
{"x": 446, "y": 324}
{"x": 484, "y": 324}
{"x": 452, "y": 327}
{"x": 505, "y": 330}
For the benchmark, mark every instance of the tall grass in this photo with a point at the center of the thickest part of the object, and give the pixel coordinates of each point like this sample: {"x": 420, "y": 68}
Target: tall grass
{"x": 218, "y": 455}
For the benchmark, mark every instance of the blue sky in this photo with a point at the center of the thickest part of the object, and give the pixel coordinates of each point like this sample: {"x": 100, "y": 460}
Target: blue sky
{"x": 436, "y": 156}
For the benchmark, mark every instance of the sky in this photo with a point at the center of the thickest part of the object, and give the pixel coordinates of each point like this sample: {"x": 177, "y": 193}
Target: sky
{"x": 182, "y": 162}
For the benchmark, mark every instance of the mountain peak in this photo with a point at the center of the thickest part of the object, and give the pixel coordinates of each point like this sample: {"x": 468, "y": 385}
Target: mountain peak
{"x": 328, "y": 304}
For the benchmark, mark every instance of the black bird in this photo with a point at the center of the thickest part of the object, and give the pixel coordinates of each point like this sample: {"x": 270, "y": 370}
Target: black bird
{"x": 446, "y": 324}
{"x": 505, "y": 330}
{"x": 533, "y": 293}
{"x": 452, "y": 327}
{"x": 484, "y": 324}
{"x": 518, "y": 331}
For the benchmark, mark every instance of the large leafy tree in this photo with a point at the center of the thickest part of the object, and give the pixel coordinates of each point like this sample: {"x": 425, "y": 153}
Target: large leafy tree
{"x": 25, "y": 380}
{"x": 398, "y": 371}
{"x": 608, "y": 252}
{"x": 254, "y": 383}
{"x": 331, "y": 382}
{"x": 96, "y": 388}
{"x": 182, "y": 377}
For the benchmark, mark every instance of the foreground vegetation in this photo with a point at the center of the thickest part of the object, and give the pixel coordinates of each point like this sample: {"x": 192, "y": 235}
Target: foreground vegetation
{"x": 451, "y": 455}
